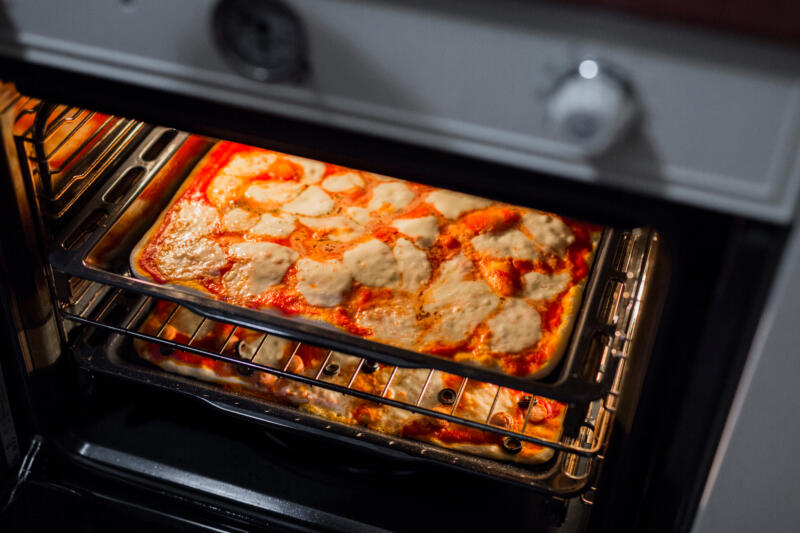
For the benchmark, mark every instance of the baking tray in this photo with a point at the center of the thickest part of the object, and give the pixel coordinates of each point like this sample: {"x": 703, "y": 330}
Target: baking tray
{"x": 97, "y": 247}
{"x": 115, "y": 355}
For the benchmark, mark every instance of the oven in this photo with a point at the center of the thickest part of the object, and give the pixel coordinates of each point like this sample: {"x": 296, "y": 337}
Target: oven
{"x": 646, "y": 129}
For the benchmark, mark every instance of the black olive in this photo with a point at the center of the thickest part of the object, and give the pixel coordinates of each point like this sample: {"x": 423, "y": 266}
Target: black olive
{"x": 525, "y": 402}
{"x": 447, "y": 396}
{"x": 512, "y": 445}
{"x": 331, "y": 369}
{"x": 370, "y": 366}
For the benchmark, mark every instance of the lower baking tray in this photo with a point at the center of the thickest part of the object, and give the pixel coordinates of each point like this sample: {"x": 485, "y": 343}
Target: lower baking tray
{"x": 99, "y": 251}
{"x": 114, "y": 355}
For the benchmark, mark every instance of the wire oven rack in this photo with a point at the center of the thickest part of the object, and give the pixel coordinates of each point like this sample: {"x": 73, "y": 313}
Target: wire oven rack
{"x": 121, "y": 313}
{"x": 98, "y": 244}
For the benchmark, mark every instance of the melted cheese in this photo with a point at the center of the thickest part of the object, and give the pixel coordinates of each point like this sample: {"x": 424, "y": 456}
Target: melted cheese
{"x": 415, "y": 270}
{"x": 372, "y": 263}
{"x": 395, "y": 194}
{"x": 312, "y": 170}
{"x": 538, "y": 286}
{"x": 517, "y": 326}
{"x": 453, "y": 204}
{"x": 336, "y": 228}
{"x": 224, "y": 189}
{"x": 460, "y": 305}
{"x": 548, "y": 232}
{"x": 258, "y": 266}
{"x": 194, "y": 219}
{"x": 273, "y": 192}
{"x": 510, "y": 243}
{"x": 359, "y": 214}
{"x": 312, "y": 201}
{"x": 238, "y": 220}
{"x": 423, "y": 230}
{"x": 322, "y": 284}
{"x": 274, "y": 226}
{"x": 396, "y": 324}
{"x": 249, "y": 164}
{"x": 342, "y": 182}
{"x": 191, "y": 258}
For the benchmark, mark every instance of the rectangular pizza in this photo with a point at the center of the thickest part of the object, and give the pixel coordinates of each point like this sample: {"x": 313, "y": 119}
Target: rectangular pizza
{"x": 426, "y": 269}
{"x": 481, "y": 402}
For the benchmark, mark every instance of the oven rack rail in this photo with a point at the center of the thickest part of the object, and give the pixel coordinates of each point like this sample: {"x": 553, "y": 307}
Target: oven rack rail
{"x": 99, "y": 302}
{"x": 609, "y": 305}
{"x": 63, "y": 182}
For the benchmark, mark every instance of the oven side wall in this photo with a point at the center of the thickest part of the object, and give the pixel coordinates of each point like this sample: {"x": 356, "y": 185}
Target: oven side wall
{"x": 755, "y": 477}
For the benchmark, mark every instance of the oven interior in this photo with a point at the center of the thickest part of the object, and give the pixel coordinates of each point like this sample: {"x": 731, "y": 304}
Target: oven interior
{"x": 94, "y": 183}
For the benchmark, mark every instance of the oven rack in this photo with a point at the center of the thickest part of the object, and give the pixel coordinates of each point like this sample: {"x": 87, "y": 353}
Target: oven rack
{"x": 64, "y": 173}
{"x": 98, "y": 245}
{"x": 579, "y": 451}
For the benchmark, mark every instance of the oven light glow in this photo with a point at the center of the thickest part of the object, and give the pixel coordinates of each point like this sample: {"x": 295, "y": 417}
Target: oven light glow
{"x": 588, "y": 69}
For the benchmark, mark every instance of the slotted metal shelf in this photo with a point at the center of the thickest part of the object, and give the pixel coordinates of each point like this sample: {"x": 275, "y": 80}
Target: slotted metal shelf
{"x": 69, "y": 148}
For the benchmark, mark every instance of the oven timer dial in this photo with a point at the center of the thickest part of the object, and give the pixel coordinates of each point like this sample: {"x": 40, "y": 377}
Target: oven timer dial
{"x": 261, "y": 39}
{"x": 591, "y": 107}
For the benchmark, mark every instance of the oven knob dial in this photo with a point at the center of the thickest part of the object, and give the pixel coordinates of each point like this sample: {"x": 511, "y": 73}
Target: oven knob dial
{"x": 261, "y": 39}
{"x": 591, "y": 108}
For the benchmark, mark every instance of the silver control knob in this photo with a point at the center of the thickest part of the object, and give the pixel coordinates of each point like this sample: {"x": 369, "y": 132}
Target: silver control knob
{"x": 591, "y": 108}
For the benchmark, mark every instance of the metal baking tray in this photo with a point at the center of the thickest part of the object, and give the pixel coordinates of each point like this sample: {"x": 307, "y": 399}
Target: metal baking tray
{"x": 564, "y": 475}
{"x": 98, "y": 244}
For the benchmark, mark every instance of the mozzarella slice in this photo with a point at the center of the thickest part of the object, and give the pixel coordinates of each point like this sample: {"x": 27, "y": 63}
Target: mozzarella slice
{"x": 372, "y": 263}
{"x": 397, "y": 195}
{"x": 239, "y": 220}
{"x": 312, "y": 201}
{"x": 510, "y": 243}
{"x": 337, "y": 228}
{"x": 415, "y": 270}
{"x": 517, "y": 326}
{"x": 258, "y": 266}
{"x": 274, "y": 225}
{"x": 190, "y": 258}
{"x": 548, "y": 232}
{"x": 423, "y": 230}
{"x": 312, "y": 170}
{"x": 193, "y": 219}
{"x": 224, "y": 189}
{"x": 460, "y": 305}
{"x": 538, "y": 286}
{"x": 359, "y": 214}
{"x": 452, "y": 204}
{"x": 342, "y": 182}
{"x": 273, "y": 192}
{"x": 322, "y": 284}
{"x": 396, "y": 324}
{"x": 249, "y": 164}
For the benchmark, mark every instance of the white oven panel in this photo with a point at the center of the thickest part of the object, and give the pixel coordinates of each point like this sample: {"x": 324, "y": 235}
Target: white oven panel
{"x": 699, "y": 118}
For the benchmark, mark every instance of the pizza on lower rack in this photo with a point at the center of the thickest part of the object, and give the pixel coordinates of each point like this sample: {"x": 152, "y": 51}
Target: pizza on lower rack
{"x": 481, "y": 402}
{"x": 426, "y": 269}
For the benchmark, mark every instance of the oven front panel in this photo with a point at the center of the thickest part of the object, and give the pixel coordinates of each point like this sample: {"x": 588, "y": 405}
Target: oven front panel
{"x": 662, "y": 110}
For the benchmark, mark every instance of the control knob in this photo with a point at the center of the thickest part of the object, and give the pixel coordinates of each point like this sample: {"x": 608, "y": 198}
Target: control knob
{"x": 261, "y": 39}
{"x": 591, "y": 108}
